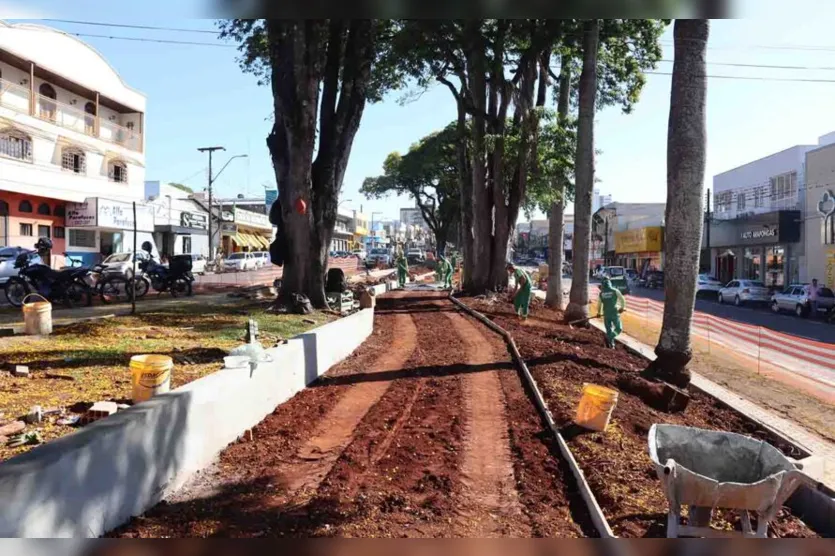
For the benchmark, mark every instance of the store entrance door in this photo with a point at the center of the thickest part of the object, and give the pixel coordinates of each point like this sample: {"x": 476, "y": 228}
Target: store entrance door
{"x": 726, "y": 266}
{"x": 4, "y": 223}
{"x": 111, "y": 242}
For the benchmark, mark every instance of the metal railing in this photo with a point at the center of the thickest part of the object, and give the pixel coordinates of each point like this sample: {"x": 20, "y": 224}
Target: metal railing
{"x": 14, "y": 96}
{"x": 115, "y": 133}
{"x": 65, "y": 115}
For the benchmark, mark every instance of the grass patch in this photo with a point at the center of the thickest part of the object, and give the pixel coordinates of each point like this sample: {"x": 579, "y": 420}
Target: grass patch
{"x": 88, "y": 362}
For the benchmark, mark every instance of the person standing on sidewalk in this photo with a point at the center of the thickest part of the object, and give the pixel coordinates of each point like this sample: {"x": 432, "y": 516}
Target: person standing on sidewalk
{"x": 611, "y": 304}
{"x": 522, "y": 290}
{"x": 813, "y": 291}
{"x": 402, "y": 269}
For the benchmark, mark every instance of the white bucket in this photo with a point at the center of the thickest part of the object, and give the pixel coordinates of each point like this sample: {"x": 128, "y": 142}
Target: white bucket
{"x": 37, "y": 316}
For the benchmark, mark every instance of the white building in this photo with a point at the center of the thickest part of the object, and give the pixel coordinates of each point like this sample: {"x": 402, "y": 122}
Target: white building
{"x": 599, "y": 201}
{"x": 181, "y": 225}
{"x": 413, "y": 217}
{"x": 71, "y": 131}
{"x": 343, "y": 233}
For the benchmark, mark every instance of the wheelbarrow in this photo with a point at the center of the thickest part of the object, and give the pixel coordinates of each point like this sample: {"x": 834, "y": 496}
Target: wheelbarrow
{"x": 710, "y": 469}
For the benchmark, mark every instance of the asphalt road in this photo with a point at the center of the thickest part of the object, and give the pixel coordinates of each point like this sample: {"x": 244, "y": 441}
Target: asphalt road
{"x": 756, "y": 316}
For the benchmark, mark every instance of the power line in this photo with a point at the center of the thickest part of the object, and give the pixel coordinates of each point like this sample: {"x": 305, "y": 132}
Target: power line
{"x": 766, "y": 66}
{"x": 748, "y": 78}
{"x": 127, "y": 26}
{"x": 144, "y": 39}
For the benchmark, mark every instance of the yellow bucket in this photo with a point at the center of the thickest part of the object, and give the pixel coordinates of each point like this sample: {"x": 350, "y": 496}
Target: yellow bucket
{"x": 37, "y": 316}
{"x": 595, "y": 407}
{"x": 151, "y": 375}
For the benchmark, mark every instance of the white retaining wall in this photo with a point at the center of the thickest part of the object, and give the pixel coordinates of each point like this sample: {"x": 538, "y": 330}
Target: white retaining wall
{"x": 92, "y": 481}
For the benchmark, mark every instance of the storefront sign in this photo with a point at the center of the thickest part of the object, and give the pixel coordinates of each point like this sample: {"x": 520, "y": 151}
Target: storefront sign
{"x": 635, "y": 241}
{"x": 228, "y": 229}
{"x": 829, "y": 281}
{"x": 81, "y": 215}
{"x": 195, "y": 220}
{"x": 253, "y": 219}
{"x": 760, "y": 233}
{"x": 118, "y": 215}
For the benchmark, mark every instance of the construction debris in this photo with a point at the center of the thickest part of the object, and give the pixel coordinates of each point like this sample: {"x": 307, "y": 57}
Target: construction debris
{"x": 100, "y": 410}
{"x": 25, "y": 439}
{"x": 12, "y": 428}
{"x": 21, "y": 371}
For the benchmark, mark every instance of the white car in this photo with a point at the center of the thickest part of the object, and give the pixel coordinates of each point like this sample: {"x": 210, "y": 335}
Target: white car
{"x": 359, "y": 253}
{"x": 708, "y": 285}
{"x": 262, "y": 258}
{"x": 240, "y": 262}
{"x": 198, "y": 263}
{"x": 8, "y": 256}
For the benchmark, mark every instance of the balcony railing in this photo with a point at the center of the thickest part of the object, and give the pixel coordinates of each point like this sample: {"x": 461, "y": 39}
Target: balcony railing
{"x": 16, "y": 97}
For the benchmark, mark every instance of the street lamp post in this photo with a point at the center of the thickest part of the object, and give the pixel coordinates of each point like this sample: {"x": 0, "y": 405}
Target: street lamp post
{"x": 212, "y": 179}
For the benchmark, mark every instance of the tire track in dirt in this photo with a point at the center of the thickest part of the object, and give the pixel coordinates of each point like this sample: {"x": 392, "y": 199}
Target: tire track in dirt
{"x": 334, "y": 433}
{"x": 491, "y": 504}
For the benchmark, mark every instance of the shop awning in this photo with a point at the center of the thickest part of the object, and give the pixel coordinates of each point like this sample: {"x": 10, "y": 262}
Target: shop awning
{"x": 239, "y": 240}
{"x": 265, "y": 243}
{"x": 250, "y": 241}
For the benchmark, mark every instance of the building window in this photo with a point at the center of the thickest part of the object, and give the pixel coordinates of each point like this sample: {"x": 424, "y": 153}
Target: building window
{"x": 60, "y": 210}
{"x": 83, "y": 238}
{"x": 90, "y": 118}
{"x": 26, "y": 230}
{"x": 759, "y": 197}
{"x": 16, "y": 145}
{"x": 73, "y": 160}
{"x": 25, "y": 206}
{"x": 722, "y": 201}
{"x": 4, "y": 209}
{"x": 784, "y": 189}
{"x": 117, "y": 171}
{"x": 43, "y": 209}
{"x": 47, "y": 102}
{"x": 44, "y": 231}
{"x": 58, "y": 232}
{"x": 740, "y": 201}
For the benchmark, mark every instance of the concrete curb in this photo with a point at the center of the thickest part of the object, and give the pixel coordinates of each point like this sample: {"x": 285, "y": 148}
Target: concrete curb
{"x": 91, "y": 481}
{"x": 597, "y": 517}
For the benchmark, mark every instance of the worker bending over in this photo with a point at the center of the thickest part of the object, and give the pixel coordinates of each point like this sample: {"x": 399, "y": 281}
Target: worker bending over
{"x": 402, "y": 269}
{"x": 522, "y": 291}
{"x": 445, "y": 271}
{"x": 611, "y": 304}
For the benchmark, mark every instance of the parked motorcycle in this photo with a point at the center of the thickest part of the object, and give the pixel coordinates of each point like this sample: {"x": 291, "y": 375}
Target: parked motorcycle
{"x": 70, "y": 285}
{"x": 175, "y": 278}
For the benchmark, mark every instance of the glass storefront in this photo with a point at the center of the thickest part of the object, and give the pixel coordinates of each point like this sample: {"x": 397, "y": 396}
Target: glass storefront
{"x": 775, "y": 267}
{"x": 752, "y": 264}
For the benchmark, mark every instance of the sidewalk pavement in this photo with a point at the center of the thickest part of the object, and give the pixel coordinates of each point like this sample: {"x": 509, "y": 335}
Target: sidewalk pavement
{"x": 820, "y": 466}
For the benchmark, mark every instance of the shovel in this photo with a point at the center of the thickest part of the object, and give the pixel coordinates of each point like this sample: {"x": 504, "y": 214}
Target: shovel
{"x": 574, "y": 323}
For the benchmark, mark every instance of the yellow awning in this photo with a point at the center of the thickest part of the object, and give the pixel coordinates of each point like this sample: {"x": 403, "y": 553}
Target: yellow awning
{"x": 250, "y": 242}
{"x": 264, "y": 241}
{"x": 240, "y": 240}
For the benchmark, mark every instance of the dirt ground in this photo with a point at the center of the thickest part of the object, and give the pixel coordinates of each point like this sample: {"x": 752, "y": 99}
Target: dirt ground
{"x": 616, "y": 463}
{"x": 425, "y": 431}
{"x": 88, "y": 362}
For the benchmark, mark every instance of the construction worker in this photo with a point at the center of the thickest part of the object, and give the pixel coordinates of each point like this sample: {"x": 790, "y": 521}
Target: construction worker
{"x": 522, "y": 290}
{"x": 402, "y": 269}
{"x": 446, "y": 272}
{"x": 610, "y": 304}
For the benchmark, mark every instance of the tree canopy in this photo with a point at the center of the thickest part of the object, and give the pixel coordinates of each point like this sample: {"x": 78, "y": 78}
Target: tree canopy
{"x": 428, "y": 173}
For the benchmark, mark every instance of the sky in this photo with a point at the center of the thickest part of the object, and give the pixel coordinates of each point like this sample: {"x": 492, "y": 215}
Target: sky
{"x": 198, "y": 96}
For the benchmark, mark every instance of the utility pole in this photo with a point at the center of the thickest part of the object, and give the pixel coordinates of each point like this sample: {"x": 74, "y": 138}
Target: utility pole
{"x": 707, "y": 229}
{"x": 212, "y": 178}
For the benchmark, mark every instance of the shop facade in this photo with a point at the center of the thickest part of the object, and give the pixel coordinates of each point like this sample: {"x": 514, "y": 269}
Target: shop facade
{"x": 641, "y": 249}
{"x": 819, "y": 221}
{"x": 764, "y": 247}
{"x": 243, "y": 230}
{"x": 25, "y": 218}
{"x": 99, "y": 227}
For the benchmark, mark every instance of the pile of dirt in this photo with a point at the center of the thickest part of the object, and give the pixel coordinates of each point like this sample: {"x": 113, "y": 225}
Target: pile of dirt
{"x": 616, "y": 463}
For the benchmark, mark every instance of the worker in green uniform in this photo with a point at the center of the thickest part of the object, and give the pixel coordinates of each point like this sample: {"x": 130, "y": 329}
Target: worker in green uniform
{"x": 611, "y": 304}
{"x": 444, "y": 271}
{"x": 522, "y": 291}
{"x": 402, "y": 269}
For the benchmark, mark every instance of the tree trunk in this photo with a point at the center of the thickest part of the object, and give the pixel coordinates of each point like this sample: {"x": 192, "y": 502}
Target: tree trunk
{"x": 686, "y": 146}
{"x": 465, "y": 185}
{"x": 556, "y": 218}
{"x": 584, "y": 172}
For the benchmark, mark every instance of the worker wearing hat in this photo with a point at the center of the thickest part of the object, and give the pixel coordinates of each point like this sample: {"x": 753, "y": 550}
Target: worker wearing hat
{"x": 522, "y": 291}
{"x": 445, "y": 271}
{"x": 402, "y": 269}
{"x": 611, "y": 304}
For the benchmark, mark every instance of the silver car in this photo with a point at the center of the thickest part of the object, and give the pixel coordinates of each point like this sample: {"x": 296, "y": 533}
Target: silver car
{"x": 121, "y": 263}
{"x": 740, "y": 292}
{"x": 795, "y": 298}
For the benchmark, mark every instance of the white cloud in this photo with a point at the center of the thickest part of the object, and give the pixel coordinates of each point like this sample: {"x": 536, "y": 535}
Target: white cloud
{"x": 19, "y": 10}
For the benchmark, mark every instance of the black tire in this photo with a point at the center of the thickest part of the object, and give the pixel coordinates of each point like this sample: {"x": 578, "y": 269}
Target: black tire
{"x": 115, "y": 289}
{"x": 720, "y": 298}
{"x": 800, "y": 311}
{"x": 78, "y": 294}
{"x": 180, "y": 286}
{"x": 16, "y": 289}
{"x": 142, "y": 286}
{"x": 775, "y": 307}
{"x": 737, "y": 301}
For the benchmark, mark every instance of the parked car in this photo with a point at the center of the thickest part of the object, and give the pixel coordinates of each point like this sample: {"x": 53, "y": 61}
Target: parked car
{"x": 415, "y": 256}
{"x": 343, "y": 254}
{"x": 741, "y": 292}
{"x": 120, "y": 264}
{"x": 379, "y": 255}
{"x": 795, "y": 298}
{"x": 359, "y": 253}
{"x": 239, "y": 262}
{"x": 707, "y": 285}
{"x": 262, "y": 258}
{"x": 654, "y": 280}
{"x": 198, "y": 263}
{"x": 8, "y": 256}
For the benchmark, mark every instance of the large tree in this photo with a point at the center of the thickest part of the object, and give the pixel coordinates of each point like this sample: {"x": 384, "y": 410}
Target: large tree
{"x": 686, "y": 146}
{"x": 429, "y": 174}
{"x": 322, "y": 73}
